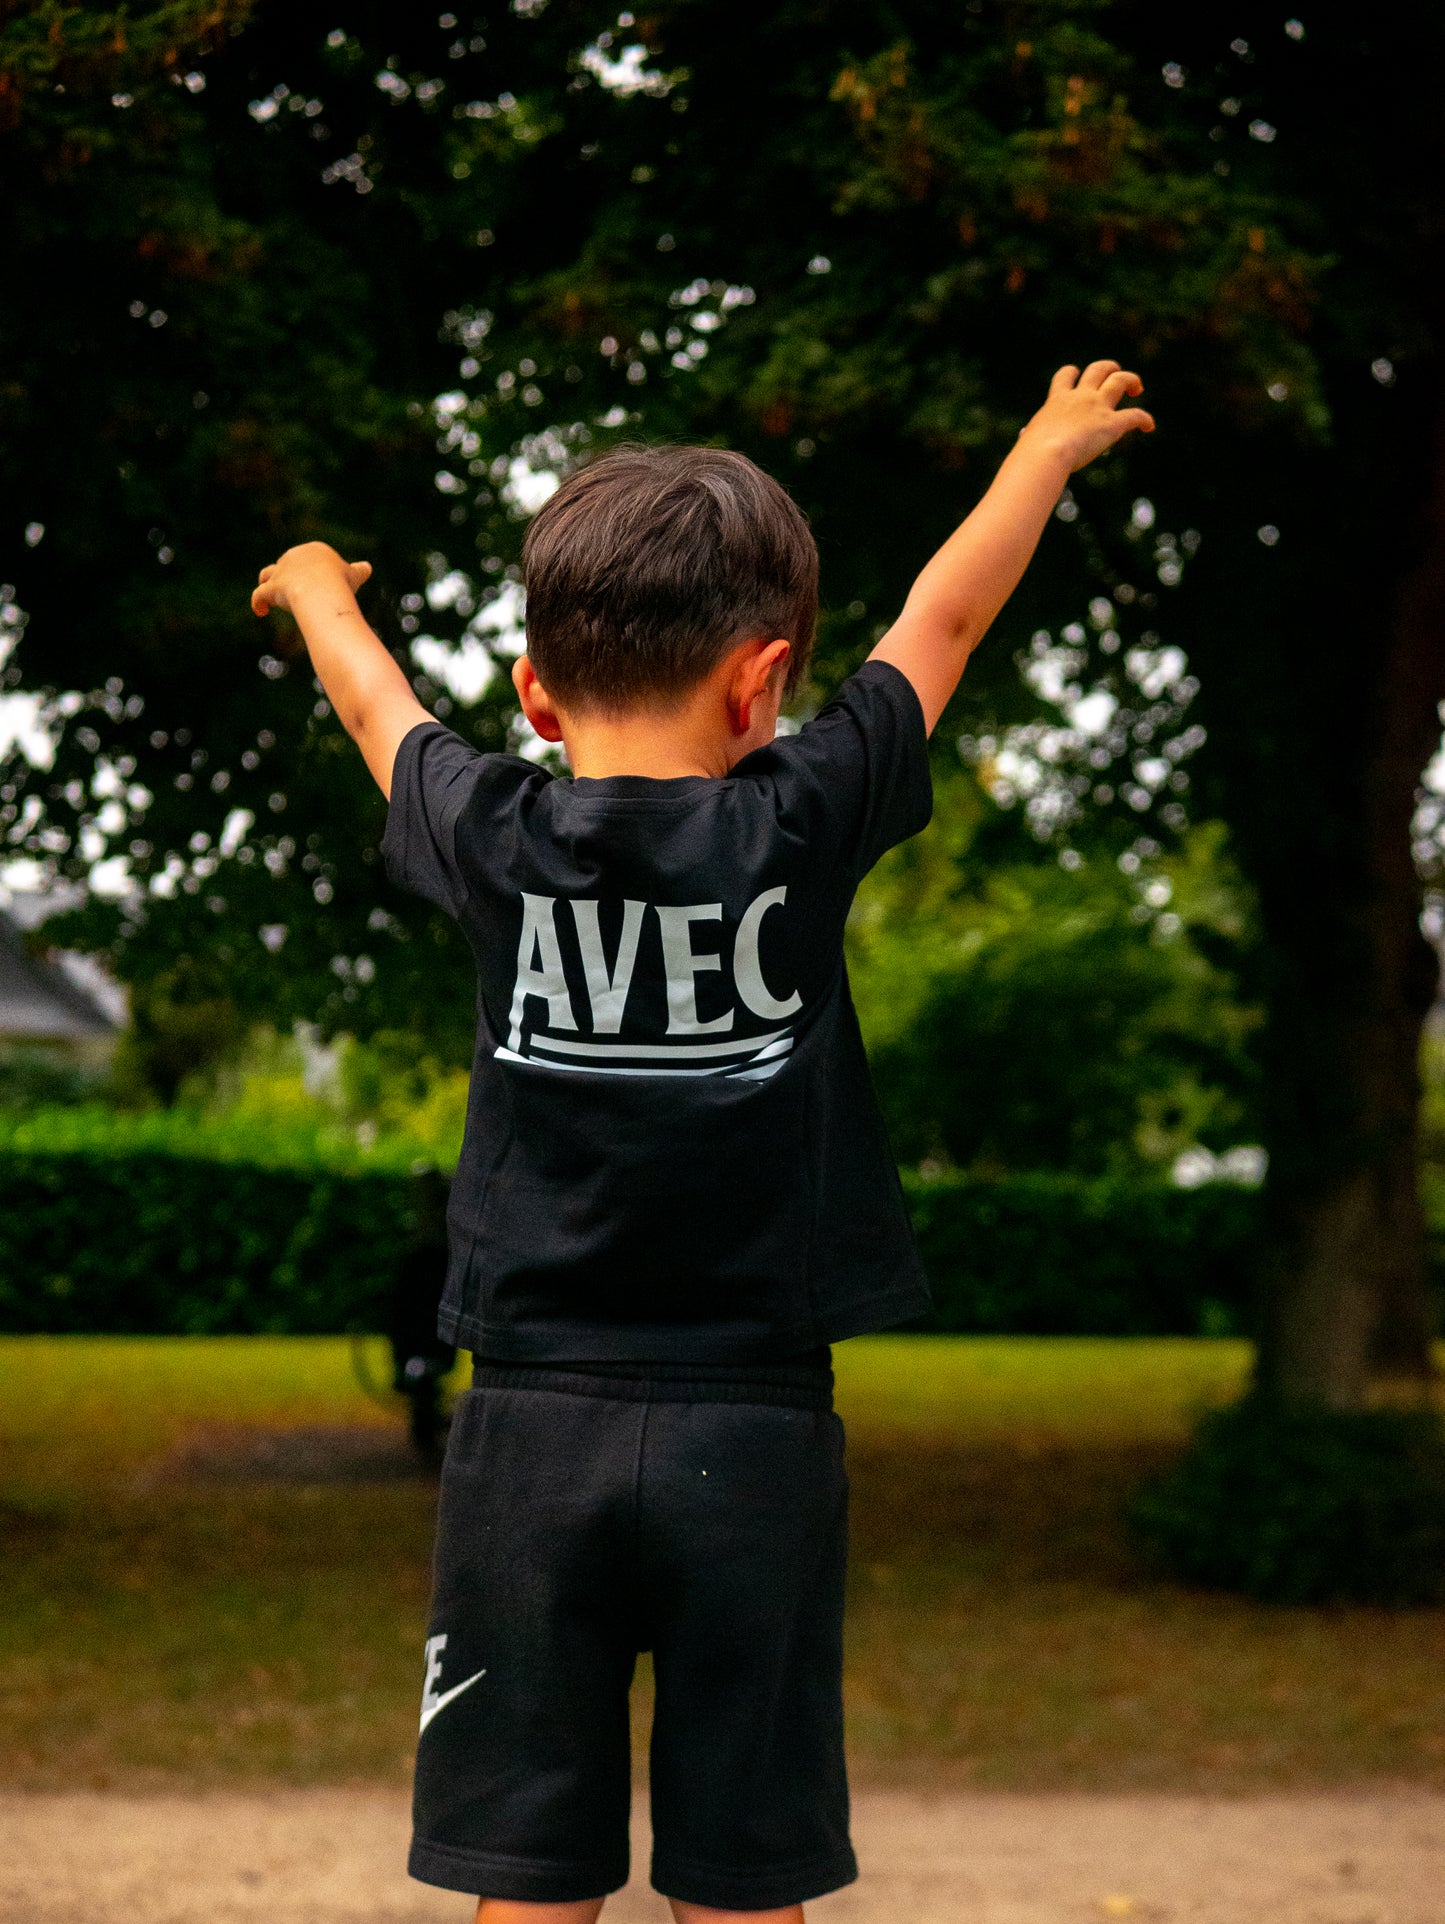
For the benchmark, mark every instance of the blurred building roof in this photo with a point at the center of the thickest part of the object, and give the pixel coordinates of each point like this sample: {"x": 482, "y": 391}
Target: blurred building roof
{"x": 39, "y": 1002}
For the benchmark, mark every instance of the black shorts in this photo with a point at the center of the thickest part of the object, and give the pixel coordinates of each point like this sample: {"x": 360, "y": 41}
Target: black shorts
{"x": 584, "y": 1519}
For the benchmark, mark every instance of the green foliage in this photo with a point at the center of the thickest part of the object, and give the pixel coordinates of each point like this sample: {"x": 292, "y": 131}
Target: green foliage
{"x": 892, "y": 229}
{"x": 849, "y": 242}
{"x": 33, "y": 1077}
{"x": 1031, "y": 1017}
{"x": 183, "y": 1022}
{"x": 1432, "y": 1098}
{"x": 1307, "y": 1505}
{"x": 396, "y": 1085}
{"x": 204, "y": 368}
{"x": 388, "y": 1094}
{"x": 273, "y": 1217}
{"x": 61, "y": 66}
{"x": 176, "y": 1245}
{"x": 1056, "y": 1255}
{"x": 288, "y": 1136}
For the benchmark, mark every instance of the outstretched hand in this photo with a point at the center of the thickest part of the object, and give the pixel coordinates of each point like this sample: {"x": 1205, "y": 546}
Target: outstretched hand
{"x": 977, "y": 569}
{"x": 373, "y": 700}
{"x": 313, "y": 562}
{"x": 1082, "y": 416}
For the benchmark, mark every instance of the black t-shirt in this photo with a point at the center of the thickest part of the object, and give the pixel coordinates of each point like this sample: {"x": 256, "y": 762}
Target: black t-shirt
{"x": 673, "y": 1150}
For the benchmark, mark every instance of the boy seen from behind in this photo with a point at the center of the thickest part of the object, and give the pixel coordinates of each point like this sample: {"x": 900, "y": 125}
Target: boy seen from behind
{"x": 675, "y": 1191}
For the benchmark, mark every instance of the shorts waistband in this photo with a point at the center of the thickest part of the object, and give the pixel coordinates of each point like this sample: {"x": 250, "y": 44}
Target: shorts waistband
{"x": 642, "y": 1388}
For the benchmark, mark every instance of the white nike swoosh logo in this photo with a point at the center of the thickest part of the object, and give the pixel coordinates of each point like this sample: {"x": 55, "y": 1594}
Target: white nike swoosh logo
{"x": 440, "y": 1703}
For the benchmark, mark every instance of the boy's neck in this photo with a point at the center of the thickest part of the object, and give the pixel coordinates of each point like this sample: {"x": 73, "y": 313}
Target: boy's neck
{"x": 703, "y": 732}
{"x": 602, "y": 745}
{"x": 697, "y": 736}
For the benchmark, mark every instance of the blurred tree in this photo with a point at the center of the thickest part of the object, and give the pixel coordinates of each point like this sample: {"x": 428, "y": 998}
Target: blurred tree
{"x": 1025, "y": 1016}
{"x": 378, "y": 280}
{"x": 300, "y": 238}
{"x": 1317, "y": 609}
{"x": 182, "y": 1021}
{"x": 386, "y": 1089}
{"x": 202, "y": 364}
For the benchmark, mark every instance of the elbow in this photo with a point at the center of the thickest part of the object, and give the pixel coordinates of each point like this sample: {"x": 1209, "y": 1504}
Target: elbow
{"x": 954, "y": 628}
{"x": 358, "y": 719}
{"x": 960, "y": 633}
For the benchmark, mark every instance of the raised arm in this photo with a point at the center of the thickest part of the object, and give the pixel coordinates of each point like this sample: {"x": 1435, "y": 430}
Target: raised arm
{"x": 953, "y": 602}
{"x": 370, "y": 694}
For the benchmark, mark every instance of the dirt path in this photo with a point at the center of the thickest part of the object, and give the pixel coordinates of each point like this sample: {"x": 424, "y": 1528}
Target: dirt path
{"x": 334, "y": 1857}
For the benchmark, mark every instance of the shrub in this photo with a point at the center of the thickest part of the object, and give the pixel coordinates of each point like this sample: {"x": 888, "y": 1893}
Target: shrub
{"x": 1056, "y": 1255}
{"x": 163, "y": 1244}
{"x": 1296, "y": 1505}
{"x": 1020, "y": 1014}
{"x": 302, "y": 1143}
{"x": 171, "y": 1223}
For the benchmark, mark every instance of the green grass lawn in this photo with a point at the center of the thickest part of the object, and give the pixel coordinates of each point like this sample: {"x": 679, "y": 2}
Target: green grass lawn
{"x": 159, "y": 1628}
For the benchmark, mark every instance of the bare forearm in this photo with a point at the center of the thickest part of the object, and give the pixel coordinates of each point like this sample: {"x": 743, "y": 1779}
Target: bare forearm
{"x": 350, "y": 662}
{"x": 954, "y": 600}
{"x": 958, "y": 594}
{"x": 371, "y": 695}
{"x": 979, "y": 566}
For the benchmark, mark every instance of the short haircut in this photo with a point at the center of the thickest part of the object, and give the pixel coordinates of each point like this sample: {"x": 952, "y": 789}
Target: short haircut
{"x": 646, "y": 566}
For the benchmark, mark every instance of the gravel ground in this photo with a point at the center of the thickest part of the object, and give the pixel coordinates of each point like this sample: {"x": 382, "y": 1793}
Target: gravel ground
{"x": 334, "y": 1857}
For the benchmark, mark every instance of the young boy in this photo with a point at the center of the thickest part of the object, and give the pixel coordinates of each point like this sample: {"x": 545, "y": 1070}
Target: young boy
{"x": 675, "y": 1191}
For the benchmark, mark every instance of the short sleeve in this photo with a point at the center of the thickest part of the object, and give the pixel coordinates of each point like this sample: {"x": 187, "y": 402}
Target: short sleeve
{"x": 868, "y": 751}
{"x": 432, "y": 780}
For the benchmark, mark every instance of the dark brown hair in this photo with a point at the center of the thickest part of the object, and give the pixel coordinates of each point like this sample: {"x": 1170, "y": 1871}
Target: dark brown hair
{"x": 646, "y": 566}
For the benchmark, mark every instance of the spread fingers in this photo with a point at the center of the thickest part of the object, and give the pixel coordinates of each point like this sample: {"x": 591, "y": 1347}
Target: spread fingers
{"x": 1115, "y": 386}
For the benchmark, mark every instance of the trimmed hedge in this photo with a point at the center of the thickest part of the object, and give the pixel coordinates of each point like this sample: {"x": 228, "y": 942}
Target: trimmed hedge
{"x": 162, "y": 1244}
{"x": 1057, "y": 1255}
{"x": 149, "y": 1240}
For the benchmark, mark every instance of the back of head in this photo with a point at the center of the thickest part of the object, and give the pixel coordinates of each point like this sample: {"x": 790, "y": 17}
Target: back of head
{"x": 647, "y": 566}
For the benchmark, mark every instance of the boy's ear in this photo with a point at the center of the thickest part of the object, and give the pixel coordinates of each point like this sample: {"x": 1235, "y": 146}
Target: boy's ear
{"x": 757, "y": 665}
{"x": 536, "y": 703}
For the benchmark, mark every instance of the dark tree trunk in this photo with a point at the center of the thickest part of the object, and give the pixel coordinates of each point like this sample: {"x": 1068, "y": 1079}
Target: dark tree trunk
{"x": 1322, "y": 657}
{"x": 1343, "y": 1284}
{"x": 1414, "y": 684}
